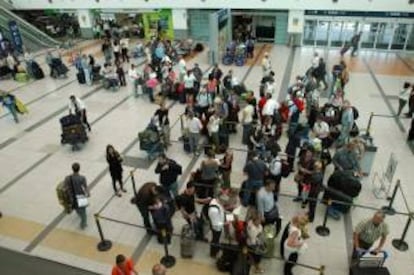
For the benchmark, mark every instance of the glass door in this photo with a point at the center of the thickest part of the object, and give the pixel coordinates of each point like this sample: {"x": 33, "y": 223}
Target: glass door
{"x": 322, "y": 32}
{"x": 348, "y": 31}
{"x": 384, "y": 35}
{"x": 400, "y": 36}
{"x": 369, "y": 32}
{"x": 309, "y": 32}
{"x": 335, "y": 34}
{"x": 410, "y": 39}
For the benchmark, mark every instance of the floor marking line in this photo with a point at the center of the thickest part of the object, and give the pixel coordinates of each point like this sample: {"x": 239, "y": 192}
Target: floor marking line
{"x": 287, "y": 75}
{"x": 409, "y": 66}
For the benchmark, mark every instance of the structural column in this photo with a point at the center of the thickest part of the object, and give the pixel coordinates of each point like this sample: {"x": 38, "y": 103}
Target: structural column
{"x": 86, "y": 22}
{"x": 295, "y": 26}
{"x": 180, "y": 23}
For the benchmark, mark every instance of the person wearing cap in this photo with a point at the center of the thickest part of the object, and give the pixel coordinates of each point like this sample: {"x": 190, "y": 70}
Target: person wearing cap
{"x": 77, "y": 107}
{"x": 217, "y": 216}
{"x": 266, "y": 65}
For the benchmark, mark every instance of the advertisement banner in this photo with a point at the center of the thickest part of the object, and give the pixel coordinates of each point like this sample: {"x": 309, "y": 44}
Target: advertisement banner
{"x": 159, "y": 23}
{"x": 15, "y": 36}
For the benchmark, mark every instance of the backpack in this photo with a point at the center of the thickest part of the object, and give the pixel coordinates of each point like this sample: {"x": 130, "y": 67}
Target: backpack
{"x": 205, "y": 210}
{"x": 275, "y": 166}
{"x": 64, "y": 197}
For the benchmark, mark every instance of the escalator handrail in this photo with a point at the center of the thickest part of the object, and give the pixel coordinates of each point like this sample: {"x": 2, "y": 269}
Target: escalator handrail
{"x": 28, "y": 25}
{"x": 26, "y": 33}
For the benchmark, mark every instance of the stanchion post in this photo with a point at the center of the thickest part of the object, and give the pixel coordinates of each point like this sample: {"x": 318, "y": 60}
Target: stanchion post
{"x": 103, "y": 245}
{"x": 368, "y": 133}
{"x": 134, "y": 187}
{"x": 323, "y": 230}
{"x": 168, "y": 260}
{"x": 389, "y": 210}
{"x": 401, "y": 244}
{"x": 322, "y": 270}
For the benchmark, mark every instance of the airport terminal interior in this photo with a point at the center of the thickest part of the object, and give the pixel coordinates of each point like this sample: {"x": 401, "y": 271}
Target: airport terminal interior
{"x": 288, "y": 124}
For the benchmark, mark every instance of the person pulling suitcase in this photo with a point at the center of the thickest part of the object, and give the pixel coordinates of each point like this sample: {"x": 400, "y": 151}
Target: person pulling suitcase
{"x": 77, "y": 107}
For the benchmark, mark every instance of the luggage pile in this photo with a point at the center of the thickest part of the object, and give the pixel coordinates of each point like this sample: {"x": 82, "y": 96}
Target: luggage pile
{"x": 150, "y": 141}
{"x": 73, "y": 131}
{"x": 58, "y": 68}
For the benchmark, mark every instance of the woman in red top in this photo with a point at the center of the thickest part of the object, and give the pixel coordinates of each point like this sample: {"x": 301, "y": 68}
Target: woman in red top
{"x": 261, "y": 104}
{"x": 123, "y": 266}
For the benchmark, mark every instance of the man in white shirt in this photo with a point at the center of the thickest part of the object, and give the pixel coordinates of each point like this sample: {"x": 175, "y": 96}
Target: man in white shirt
{"x": 136, "y": 78}
{"x": 182, "y": 68}
{"x": 77, "y": 107}
{"x": 213, "y": 129}
{"x": 247, "y": 120}
{"x": 270, "y": 107}
{"x": 321, "y": 131}
{"x": 194, "y": 129}
{"x": 217, "y": 217}
{"x": 189, "y": 80}
{"x": 266, "y": 65}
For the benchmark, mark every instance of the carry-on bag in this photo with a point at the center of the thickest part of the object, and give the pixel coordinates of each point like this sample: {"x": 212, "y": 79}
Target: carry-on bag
{"x": 370, "y": 264}
{"x": 187, "y": 241}
{"x": 81, "y": 77}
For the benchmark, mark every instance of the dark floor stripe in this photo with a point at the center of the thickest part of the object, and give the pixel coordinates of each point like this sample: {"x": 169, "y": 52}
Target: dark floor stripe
{"x": 384, "y": 97}
{"x": 287, "y": 75}
{"x": 349, "y": 235}
{"x": 262, "y": 49}
{"x": 7, "y": 142}
{"x": 24, "y": 173}
{"x": 42, "y": 235}
{"x": 409, "y": 66}
{"x": 111, "y": 109}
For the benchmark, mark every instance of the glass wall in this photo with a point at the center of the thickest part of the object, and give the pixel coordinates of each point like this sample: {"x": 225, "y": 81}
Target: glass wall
{"x": 331, "y": 32}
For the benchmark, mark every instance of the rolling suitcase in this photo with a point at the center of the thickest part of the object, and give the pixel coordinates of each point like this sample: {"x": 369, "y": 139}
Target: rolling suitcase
{"x": 187, "y": 241}
{"x": 37, "y": 71}
{"x": 81, "y": 77}
{"x": 367, "y": 265}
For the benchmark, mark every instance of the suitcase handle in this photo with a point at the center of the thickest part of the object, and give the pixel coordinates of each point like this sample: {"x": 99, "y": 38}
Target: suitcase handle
{"x": 366, "y": 251}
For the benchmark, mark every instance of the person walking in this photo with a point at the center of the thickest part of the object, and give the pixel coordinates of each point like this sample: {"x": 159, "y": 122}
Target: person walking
{"x": 123, "y": 266}
{"x": 9, "y": 102}
{"x": 79, "y": 192}
{"x": 355, "y": 43}
{"x": 266, "y": 65}
{"x": 114, "y": 160}
{"x": 163, "y": 123}
{"x": 403, "y": 97}
{"x": 77, "y": 107}
{"x": 169, "y": 170}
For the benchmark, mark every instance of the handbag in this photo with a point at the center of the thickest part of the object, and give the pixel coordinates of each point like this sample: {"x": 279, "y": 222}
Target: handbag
{"x": 272, "y": 215}
{"x": 82, "y": 200}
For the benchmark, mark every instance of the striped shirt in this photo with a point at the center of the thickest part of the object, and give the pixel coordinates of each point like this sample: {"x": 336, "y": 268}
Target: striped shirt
{"x": 369, "y": 232}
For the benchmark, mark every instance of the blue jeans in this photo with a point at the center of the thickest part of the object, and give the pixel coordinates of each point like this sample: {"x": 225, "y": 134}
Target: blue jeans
{"x": 193, "y": 140}
{"x": 251, "y": 186}
{"x": 13, "y": 112}
{"x": 81, "y": 211}
{"x": 246, "y": 131}
{"x": 88, "y": 76}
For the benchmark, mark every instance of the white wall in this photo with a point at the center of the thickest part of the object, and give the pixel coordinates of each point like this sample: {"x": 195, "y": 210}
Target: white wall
{"x": 296, "y": 21}
{"x": 365, "y": 5}
{"x": 180, "y": 19}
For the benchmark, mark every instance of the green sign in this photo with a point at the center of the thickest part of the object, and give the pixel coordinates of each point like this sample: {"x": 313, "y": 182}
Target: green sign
{"x": 159, "y": 23}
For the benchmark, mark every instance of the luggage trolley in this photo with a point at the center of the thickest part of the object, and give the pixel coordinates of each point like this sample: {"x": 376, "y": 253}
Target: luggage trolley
{"x": 73, "y": 131}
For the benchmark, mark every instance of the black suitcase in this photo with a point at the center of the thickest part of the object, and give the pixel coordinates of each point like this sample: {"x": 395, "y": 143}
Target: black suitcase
{"x": 81, "y": 77}
{"x": 368, "y": 265}
{"x": 37, "y": 71}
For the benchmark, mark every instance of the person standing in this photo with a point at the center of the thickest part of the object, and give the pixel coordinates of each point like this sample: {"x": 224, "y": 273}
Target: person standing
{"x": 226, "y": 167}
{"x": 347, "y": 122}
{"x": 121, "y": 74}
{"x": 77, "y": 107}
{"x": 107, "y": 50}
{"x": 117, "y": 51}
{"x": 169, "y": 170}
{"x": 136, "y": 79}
{"x": 247, "y": 121}
{"x": 114, "y": 160}
{"x": 9, "y": 102}
{"x": 403, "y": 97}
{"x": 255, "y": 171}
{"x": 216, "y": 214}
{"x": 124, "y": 49}
{"x": 266, "y": 205}
{"x": 76, "y": 183}
{"x": 369, "y": 231}
{"x": 163, "y": 123}
{"x": 316, "y": 185}
{"x": 182, "y": 68}
{"x": 143, "y": 199}
{"x": 194, "y": 129}
{"x": 213, "y": 127}
{"x": 189, "y": 80}
{"x": 293, "y": 242}
{"x": 209, "y": 171}
{"x": 87, "y": 69}
{"x": 254, "y": 230}
{"x": 123, "y": 266}
{"x": 355, "y": 43}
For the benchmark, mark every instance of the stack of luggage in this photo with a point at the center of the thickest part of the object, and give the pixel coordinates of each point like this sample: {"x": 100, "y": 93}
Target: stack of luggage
{"x": 58, "y": 68}
{"x": 73, "y": 131}
{"x": 36, "y": 71}
{"x": 150, "y": 141}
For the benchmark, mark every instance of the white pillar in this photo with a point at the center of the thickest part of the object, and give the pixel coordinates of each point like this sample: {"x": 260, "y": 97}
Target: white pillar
{"x": 180, "y": 23}
{"x": 86, "y": 22}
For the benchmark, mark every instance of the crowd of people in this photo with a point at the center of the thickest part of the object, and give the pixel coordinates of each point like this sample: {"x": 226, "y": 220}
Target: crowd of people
{"x": 212, "y": 205}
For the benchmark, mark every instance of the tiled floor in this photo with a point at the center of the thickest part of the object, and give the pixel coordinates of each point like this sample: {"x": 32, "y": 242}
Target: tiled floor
{"x": 32, "y": 162}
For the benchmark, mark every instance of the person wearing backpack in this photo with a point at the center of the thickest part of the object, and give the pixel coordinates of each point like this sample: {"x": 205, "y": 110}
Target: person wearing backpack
{"x": 76, "y": 184}
{"x": 255, "y": 170}
{"x": 217, "y": 217}
{"x": 169, "y": 170}
{"x": 275, "y": 173}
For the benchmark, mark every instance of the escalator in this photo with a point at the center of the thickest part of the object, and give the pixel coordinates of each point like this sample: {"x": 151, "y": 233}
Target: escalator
{"x": 33, "y": 39}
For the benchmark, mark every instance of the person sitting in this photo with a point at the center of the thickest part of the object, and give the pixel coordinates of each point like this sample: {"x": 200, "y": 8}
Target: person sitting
{"x": 110, "y": 77}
